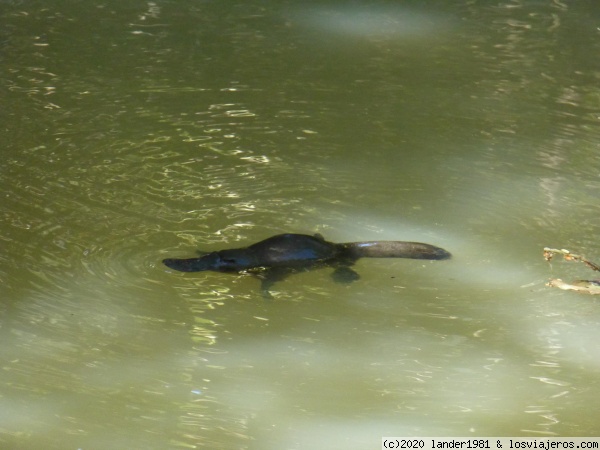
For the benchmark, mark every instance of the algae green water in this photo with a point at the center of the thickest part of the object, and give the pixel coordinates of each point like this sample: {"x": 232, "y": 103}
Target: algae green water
{"x": 136, "y": 131}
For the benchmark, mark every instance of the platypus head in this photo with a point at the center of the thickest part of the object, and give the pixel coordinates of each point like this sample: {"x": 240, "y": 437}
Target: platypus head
{"x": 232, "y": 260}
{"x": 206, "y": 262}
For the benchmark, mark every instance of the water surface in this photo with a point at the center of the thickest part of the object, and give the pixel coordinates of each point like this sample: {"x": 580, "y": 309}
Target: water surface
{"x": 137, "y": 131}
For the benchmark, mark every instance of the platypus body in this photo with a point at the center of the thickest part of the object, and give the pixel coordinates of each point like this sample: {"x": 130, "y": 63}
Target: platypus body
{"x": 278, "y": 256}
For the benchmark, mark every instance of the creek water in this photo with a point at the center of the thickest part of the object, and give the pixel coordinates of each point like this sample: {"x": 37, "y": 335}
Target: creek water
{"x": 135, "y": 131}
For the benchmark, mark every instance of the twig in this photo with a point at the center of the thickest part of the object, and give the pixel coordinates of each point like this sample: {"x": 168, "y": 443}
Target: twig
{"x": 583, "y": 286}
{"x": 550, "y": 252}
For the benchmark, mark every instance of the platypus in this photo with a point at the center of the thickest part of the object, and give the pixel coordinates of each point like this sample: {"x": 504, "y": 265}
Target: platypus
{"x": 276, "y": 257}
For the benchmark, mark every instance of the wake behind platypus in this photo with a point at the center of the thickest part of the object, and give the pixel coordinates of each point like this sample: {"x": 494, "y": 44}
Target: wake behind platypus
{"x": 275, "y": 258}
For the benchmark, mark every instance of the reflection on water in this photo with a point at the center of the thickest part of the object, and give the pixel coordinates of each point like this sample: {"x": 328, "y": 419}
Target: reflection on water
{"x": 132, "y": 133}
{"x": 373, "y": 21}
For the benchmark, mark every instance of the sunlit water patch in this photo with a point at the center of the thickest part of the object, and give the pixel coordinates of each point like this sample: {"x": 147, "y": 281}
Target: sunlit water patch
{"x": 158, "y": 130}
{"x": 375, "y": 21}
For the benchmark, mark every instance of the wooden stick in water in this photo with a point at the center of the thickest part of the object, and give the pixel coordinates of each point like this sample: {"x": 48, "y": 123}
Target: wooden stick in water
{"x": 584, "y": 286}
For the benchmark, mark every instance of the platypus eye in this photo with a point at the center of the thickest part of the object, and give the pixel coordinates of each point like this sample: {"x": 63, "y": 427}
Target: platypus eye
{"x": 226, "y": 264}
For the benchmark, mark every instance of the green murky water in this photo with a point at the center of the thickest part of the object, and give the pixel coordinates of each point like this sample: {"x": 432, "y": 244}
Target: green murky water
{"x": 133, "y": 131}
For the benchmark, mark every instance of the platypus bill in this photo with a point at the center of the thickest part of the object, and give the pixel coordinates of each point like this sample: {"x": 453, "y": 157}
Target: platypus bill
{"x": 274, "y": 258}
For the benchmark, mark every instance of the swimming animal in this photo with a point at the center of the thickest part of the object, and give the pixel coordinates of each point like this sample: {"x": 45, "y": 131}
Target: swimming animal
{"x": 276, "y": 257}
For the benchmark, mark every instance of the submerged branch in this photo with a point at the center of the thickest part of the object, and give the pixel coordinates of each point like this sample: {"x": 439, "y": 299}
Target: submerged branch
{"x": 584, "y": 286}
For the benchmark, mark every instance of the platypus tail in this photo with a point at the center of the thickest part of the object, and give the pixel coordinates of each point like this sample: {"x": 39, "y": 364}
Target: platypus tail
{"x": 394, "y": 249}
